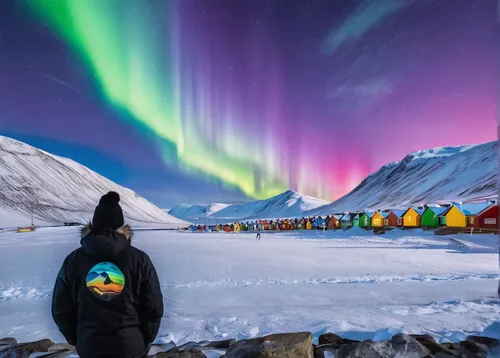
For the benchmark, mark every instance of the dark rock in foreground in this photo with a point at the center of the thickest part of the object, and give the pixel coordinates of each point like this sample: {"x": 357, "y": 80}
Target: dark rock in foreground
{"x": 286, "y": 345}
{"x": 290, "y": 345}
{"x": 333, "y": 339}
{"x": 177, "y": 353}
{"x": 23, "y": 350}
{"x": 222, "y": 344}
{"x": 401, "y": 345}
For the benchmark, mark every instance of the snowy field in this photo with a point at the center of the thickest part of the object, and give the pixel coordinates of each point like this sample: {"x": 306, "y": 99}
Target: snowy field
{"x": 230, "y": 285}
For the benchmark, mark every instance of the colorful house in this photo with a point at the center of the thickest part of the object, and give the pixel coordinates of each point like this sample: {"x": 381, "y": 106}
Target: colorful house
{"x": 377, "y": 220}
{"x": 334, "y": 222}
{"x": 365, "y": 220}
{"x": 399, "y": 214}
{"x": 327, "y": 222}
{"x": 308, "y": 225}
{"x": 430, "y": 216}
{"x": 319, "y": 223}
{"x": 412, "y": 217}
{"x": 237, "y": 227}
{"x": 390, "y": 219}
{"x": 26, "y": 229}
{"x": 355, "y": 220}
{"x": 453, "y": 217}
{"x": 481, "y": 215}
{"x": 347, "y": 221}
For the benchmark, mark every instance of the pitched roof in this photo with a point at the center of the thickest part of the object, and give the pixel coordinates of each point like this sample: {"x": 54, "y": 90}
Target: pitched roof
{"x": 386, "y": 214}
{"x": 473, "y": 208}
{"x": 369, "y": 214}
{"x": 338, "y": 216}
{"x": 399, "y": 213}
{"x": 346, "y": 217}
{"x": 441, "y": 210}
{"x": 417, "y": 210}
{"x": 356, "y": 217}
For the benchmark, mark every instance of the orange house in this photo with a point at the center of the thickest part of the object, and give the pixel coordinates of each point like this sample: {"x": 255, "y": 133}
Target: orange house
{"x": 411, "y": 217}
{"x": 377, "y": 220}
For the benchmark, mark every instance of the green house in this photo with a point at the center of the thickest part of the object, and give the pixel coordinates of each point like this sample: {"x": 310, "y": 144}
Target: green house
{"x": 355, "y": 220}
{"x": 431, "y": 216}
{"x": 365, "y": 220}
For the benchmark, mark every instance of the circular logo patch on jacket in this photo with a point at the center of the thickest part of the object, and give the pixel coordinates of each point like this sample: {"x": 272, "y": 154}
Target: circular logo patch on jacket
{"x": 105, "y": 281}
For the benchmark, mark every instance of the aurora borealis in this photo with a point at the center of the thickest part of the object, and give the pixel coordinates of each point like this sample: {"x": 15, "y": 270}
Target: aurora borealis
{"x": 203, "y": 100}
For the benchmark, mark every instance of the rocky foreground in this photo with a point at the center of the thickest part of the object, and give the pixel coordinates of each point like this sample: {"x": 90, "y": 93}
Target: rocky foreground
{"x": 286, "y": 345}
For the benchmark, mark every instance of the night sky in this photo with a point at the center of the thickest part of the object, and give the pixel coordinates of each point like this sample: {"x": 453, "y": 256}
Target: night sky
{"x": 198, "y": 101}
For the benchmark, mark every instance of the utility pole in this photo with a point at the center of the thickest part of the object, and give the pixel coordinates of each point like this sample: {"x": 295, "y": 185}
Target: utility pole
{"x": 206, "y": 208}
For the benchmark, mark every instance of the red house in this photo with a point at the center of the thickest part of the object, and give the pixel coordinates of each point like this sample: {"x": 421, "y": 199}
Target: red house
{"x": 390, "y": 219}
{"x": 481, "y": 215}
{"x": 334, "y": 222}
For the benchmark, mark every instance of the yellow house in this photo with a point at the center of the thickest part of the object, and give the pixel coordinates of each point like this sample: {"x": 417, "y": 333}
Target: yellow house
{"x": 411, "y": 217}
{"x": 237, "y": 227}
{"x": 455, "y": 218}
{"x": 377, "y": 220}
{"x": 308, "y": 225}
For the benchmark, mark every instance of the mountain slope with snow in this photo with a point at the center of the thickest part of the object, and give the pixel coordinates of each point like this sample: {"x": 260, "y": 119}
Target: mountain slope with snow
{"x": 438, "y": 175}
{"x": 287, "y": 204}
{"x": 55, "y": 190}
{"x": 196, "y": 211}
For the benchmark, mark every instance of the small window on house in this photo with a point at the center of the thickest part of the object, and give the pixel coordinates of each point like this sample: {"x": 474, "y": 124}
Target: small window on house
{"x": 471, "y": 220}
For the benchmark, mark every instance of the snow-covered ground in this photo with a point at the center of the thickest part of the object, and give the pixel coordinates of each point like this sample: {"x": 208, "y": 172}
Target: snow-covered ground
{"x": 219, "y": 285}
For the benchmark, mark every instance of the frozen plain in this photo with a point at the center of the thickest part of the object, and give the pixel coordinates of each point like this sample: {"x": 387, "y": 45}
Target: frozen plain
{"x": 221, "y": 285}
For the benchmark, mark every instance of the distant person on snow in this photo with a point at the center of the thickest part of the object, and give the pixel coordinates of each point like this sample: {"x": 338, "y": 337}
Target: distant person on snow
{"x": 107, "y": 299}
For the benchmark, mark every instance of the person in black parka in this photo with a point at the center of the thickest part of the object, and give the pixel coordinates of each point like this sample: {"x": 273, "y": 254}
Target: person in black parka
{"x": 107, "y": 299}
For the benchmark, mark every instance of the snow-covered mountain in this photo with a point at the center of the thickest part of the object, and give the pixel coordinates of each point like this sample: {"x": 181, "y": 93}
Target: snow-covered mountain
{"x": 55, "y": 190}
{"x": 196, "y": 211}
{"x": 439, "y": 175}
{"x": 287, "y": 204}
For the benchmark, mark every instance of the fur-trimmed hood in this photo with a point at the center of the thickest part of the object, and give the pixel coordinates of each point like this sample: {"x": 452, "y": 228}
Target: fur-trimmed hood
{"x": 125, "y": 230}
{"x": 104, "y": 244}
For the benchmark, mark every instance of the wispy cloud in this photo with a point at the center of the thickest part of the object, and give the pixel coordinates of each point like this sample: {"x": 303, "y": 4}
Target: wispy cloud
{"x": 360, "y": 94}
{"x": 373, "y": 87}
{"x": 61, "y": 82}
{"x": 365, "y": 17}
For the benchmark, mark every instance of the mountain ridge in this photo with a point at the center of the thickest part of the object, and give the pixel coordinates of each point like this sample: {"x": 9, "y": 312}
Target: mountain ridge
{"x": 433, "y": 176}
{"x": 54, "y": 190}
{"x": 286, "y": 204}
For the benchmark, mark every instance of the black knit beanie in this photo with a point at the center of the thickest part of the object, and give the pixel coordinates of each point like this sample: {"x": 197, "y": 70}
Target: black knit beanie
{"x": 108, "y": 214}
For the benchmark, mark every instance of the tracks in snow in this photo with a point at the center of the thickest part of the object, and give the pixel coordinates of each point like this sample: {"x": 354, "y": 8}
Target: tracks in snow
{"x": 8, "y": 293}
{"x": 331, "y": 281}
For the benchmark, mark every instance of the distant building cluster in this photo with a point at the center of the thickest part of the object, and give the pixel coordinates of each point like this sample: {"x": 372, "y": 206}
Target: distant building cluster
{"x": 483, "y": 215}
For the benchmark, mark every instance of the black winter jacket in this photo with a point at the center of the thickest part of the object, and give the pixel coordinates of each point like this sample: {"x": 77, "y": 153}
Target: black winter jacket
{"x": 107, "y": 299}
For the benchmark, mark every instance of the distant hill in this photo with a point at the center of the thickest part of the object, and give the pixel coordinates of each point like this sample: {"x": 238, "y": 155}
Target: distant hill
{"x": 55, "y": 190}
{"x": 287, "y": 204}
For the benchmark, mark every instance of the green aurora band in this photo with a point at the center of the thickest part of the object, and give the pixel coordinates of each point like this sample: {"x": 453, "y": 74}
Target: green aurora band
{"x": 140, "y": 74}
